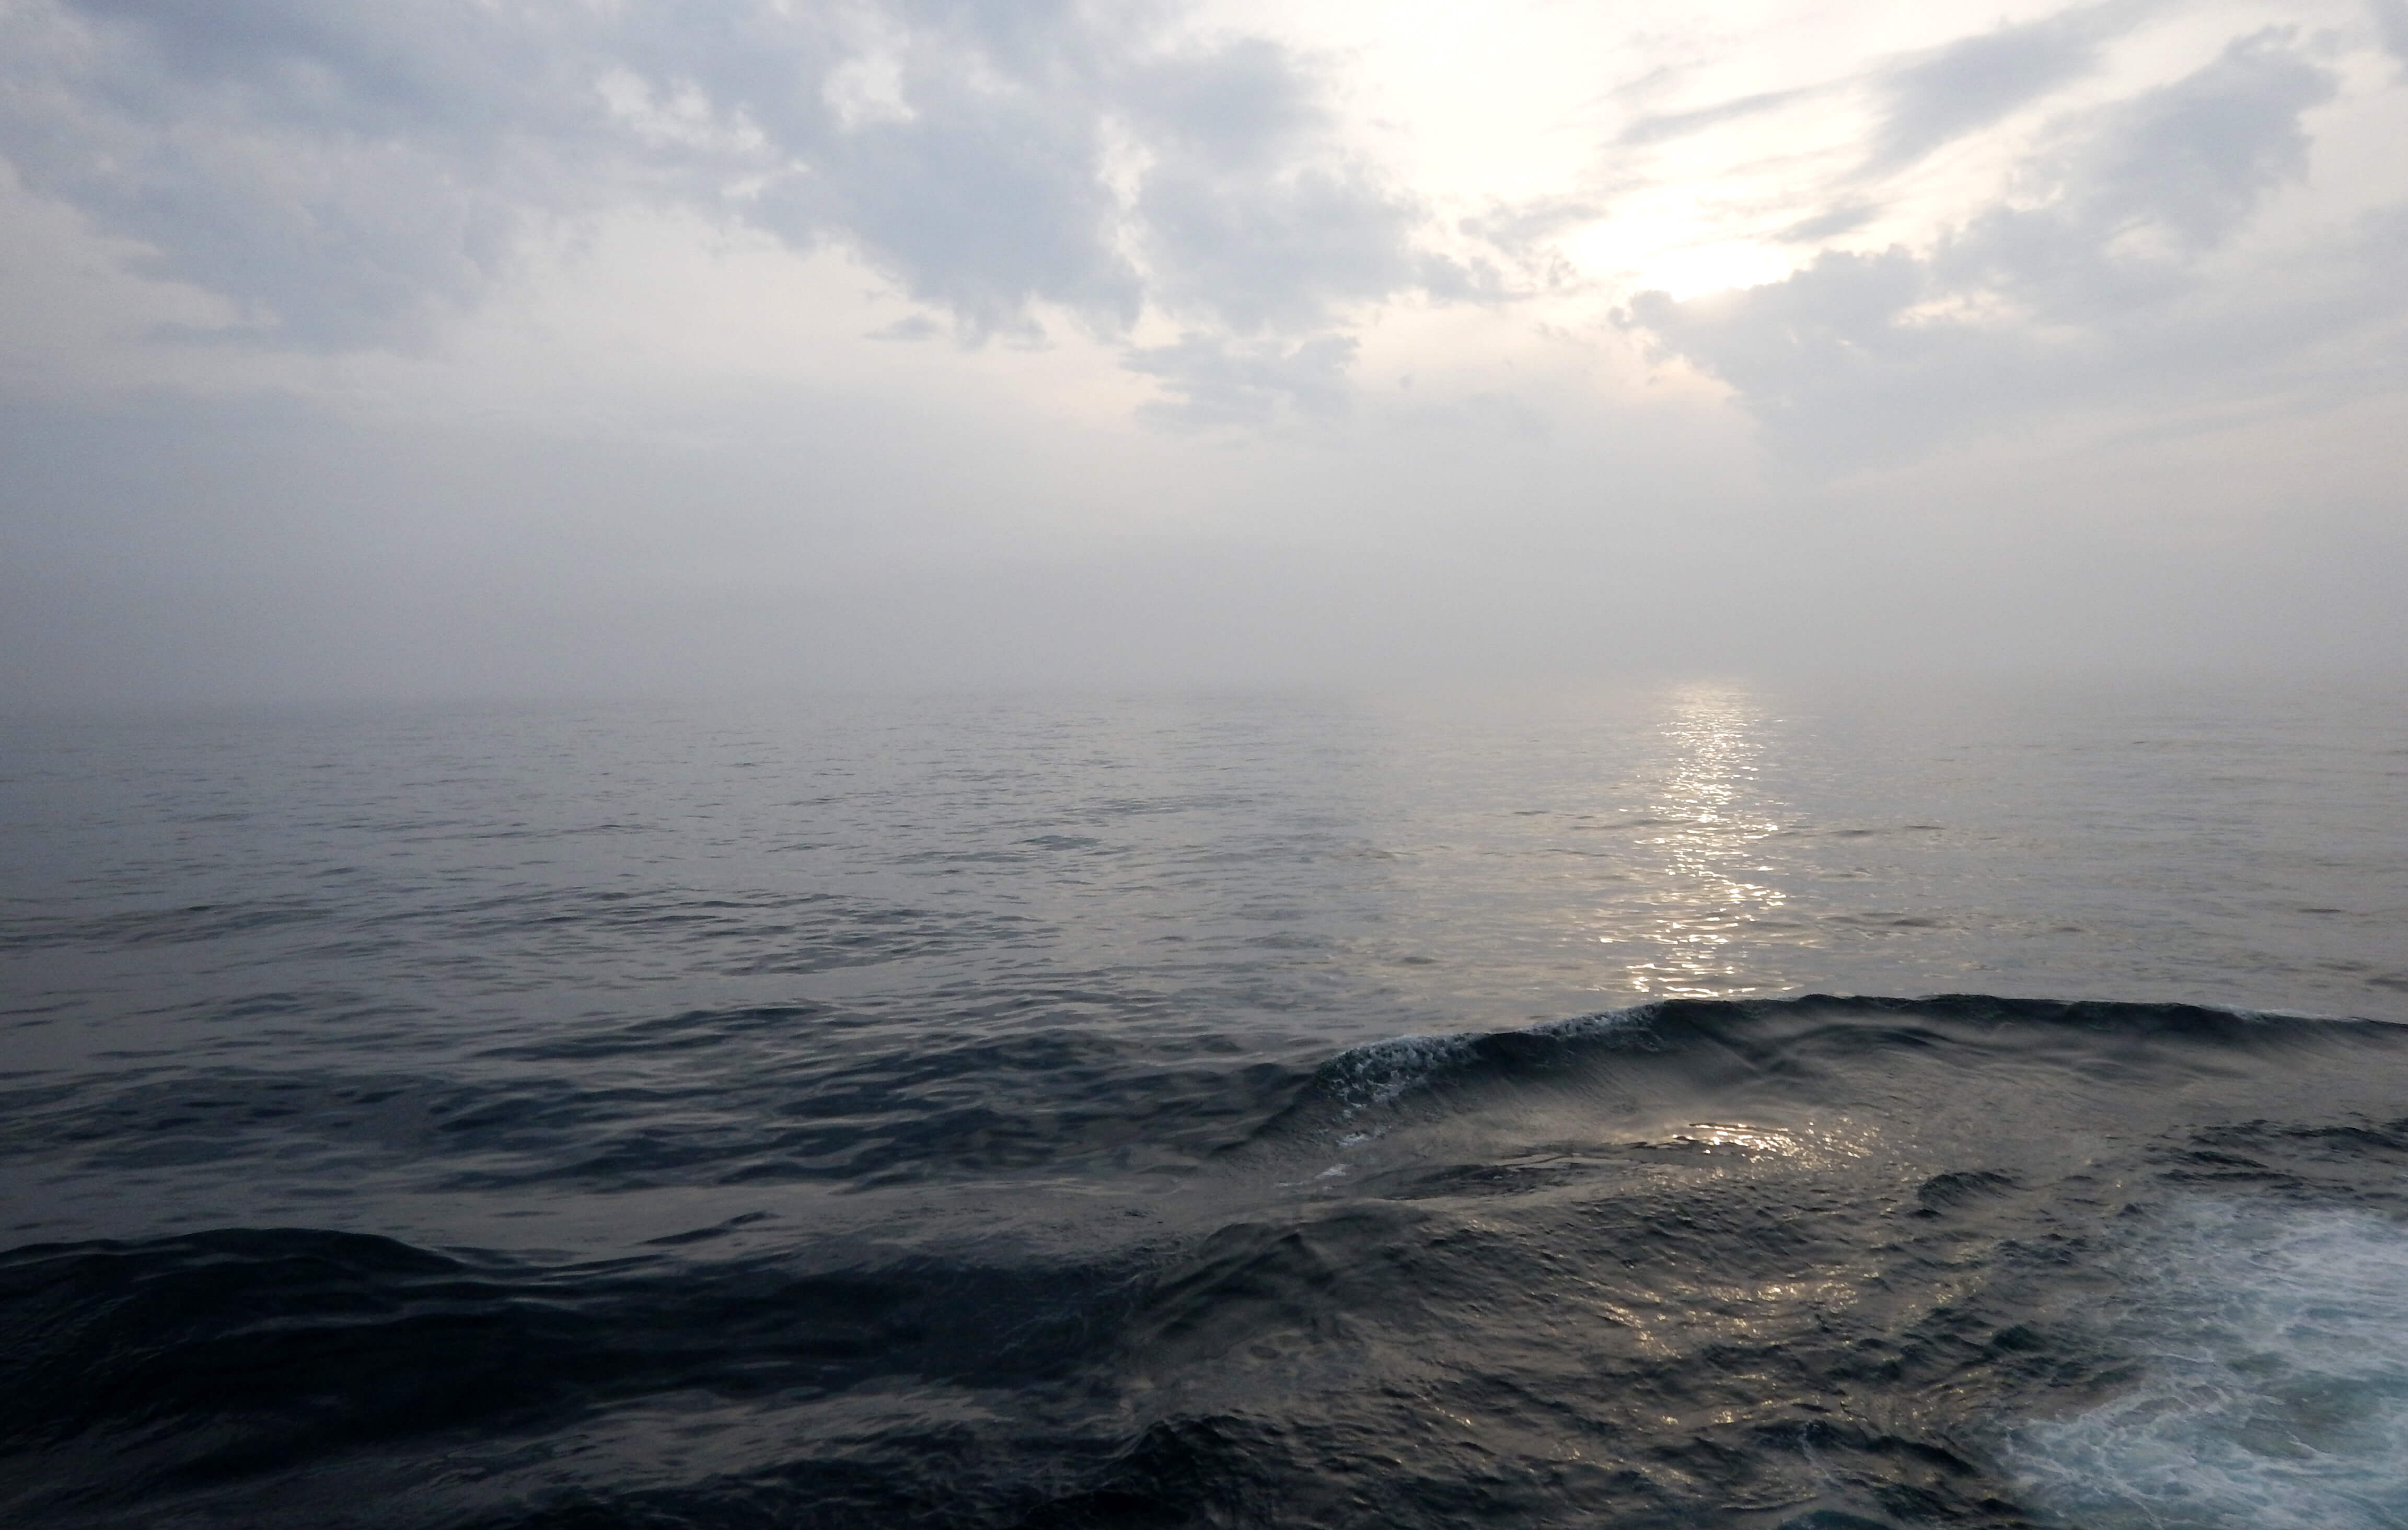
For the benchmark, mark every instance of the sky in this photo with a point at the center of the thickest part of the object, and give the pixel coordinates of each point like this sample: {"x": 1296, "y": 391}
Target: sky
{"x": 461, "y": 347}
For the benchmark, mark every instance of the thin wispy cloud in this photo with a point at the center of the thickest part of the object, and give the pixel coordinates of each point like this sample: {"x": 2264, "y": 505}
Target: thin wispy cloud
{"x": 1965, "y": 86}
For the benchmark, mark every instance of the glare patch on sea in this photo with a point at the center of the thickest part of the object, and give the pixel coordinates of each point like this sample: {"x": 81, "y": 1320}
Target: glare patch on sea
{"x": 1712, "y": 814}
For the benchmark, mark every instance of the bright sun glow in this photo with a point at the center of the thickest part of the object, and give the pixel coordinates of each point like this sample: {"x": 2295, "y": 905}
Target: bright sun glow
{"x": 1644, "y": 255}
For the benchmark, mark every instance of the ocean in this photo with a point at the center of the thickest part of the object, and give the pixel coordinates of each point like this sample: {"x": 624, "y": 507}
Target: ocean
{"x": 1751, "y": 1105}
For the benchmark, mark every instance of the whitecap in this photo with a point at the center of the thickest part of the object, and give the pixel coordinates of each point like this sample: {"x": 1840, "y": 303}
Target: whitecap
{"x": 2274, "y": 1394}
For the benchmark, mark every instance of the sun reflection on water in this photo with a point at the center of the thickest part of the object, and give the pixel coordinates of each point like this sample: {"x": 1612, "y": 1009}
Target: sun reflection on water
{"x": 1708, "y": 814}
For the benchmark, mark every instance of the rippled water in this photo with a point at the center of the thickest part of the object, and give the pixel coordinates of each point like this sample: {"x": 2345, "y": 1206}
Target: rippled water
{"x": 1169, "y": 1111}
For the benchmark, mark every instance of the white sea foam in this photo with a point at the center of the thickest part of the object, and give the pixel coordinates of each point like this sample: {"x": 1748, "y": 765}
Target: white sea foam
{"x": 2274, "y": 1392}
{"x": 1379, "y": 1072}
{"x": 1598, "y": 1023}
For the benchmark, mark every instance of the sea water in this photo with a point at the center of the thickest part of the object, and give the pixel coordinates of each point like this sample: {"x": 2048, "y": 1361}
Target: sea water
{"x": 1212, "y": 1109}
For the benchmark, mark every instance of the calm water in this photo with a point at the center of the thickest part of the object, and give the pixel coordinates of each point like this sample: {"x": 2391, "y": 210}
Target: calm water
{"x": 1182, "y": 1111}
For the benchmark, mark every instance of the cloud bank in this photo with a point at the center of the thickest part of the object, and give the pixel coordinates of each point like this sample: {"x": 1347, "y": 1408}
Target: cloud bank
{"x": 351, "y": 175}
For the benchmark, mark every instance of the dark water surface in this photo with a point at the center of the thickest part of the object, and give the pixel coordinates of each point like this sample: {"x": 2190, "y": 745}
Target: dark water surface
{"x": 1211, "y": 1112}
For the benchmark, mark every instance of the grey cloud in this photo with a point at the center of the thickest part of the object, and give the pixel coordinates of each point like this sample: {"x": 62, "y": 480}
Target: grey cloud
{"x": 1659, "y": 128}
{"x": 1216, "y": 381}
{"x": 2391, "y": 26}
{"x": 1519, "y": 226}
{"x": 346, "y": 170}
{"x": 2149, "y": 186}
{"x": 1859, "y": 355}
{"x": 1967, "y": 85}
{"x": 1855, "y": 362}
{"x": 377, "y": 71}
{"x": 1794, "y": 349}
{"x": 983, "y": 195}
{"x": 334, "y": 173}
{"x": 2194, "y": 157}
{"x": 1831, "y": 223}
{"x": 1276, "y": 255}
{"x": 1249, "y": 217}
{"x": 917, "y": 326}
{"x": 1935, "y": 97}
{"x": 1527, "y": 258}
{"x": 1931, "y": 98}
{"x": 1240, "y": 105}
{"x": 981, "y": 212}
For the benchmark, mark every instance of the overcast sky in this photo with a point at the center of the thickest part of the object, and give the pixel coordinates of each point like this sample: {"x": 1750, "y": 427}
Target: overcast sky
{"x": 461, "y": 347}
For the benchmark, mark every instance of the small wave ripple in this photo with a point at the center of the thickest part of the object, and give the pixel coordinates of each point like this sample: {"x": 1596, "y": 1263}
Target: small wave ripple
{"x": 1823, "y": 1264}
